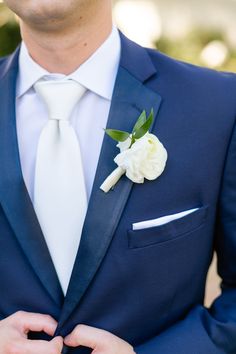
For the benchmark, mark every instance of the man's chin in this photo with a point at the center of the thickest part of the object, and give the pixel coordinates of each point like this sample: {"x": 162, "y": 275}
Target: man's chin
{"x": 44, "y": 14}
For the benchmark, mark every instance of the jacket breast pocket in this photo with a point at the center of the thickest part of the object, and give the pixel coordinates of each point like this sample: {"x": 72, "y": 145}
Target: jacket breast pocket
{"x": 169, "y": 231}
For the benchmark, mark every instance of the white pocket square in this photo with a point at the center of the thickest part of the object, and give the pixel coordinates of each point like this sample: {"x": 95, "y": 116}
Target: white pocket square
{"x": 162, "y": 220}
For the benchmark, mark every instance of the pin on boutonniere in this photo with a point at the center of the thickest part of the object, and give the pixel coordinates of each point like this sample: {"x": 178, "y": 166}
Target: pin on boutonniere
{"x": 141, "y": 156}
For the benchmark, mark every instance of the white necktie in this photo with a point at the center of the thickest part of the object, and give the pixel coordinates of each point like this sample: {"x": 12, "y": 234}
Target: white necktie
{"x": 60, "y": 199}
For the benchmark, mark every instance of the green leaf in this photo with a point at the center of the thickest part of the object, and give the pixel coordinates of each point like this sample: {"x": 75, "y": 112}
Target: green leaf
{"x": 141, "y": 120}
{"x": 117, "y": 135}
{"x": 151, "y": 115}
{"x": 145, "y": 127}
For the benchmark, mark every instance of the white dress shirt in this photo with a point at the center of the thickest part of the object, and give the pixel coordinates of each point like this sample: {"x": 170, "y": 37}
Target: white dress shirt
{"x": 97, "y": 75}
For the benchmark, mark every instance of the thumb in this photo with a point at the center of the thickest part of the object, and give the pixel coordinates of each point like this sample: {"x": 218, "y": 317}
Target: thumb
{"x": 85, "y": 335}
{"x": 57, "y": 343}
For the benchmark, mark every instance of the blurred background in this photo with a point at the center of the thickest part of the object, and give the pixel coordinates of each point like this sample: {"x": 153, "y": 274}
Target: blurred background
{"x": 199, "y": 31}
{"x": 202, "y": 32}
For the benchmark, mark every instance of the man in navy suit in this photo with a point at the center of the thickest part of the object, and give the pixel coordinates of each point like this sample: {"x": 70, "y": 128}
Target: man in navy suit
{"x": 135, "y": 287}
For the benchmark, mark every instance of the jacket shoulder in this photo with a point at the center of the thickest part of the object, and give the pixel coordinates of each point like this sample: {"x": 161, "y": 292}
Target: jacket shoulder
{"x": 169, "y": 65}
{"x": 214, "y": 88}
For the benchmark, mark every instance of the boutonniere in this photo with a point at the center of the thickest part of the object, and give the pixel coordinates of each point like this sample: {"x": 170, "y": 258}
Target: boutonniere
{"x": 141, "y": 156}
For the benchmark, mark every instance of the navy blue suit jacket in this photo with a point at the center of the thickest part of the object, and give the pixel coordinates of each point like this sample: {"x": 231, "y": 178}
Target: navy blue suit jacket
{"x": 147, "y": 286}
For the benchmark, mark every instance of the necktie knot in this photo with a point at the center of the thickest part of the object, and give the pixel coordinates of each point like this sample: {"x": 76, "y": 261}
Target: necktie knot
{"x": 59, "y": 96}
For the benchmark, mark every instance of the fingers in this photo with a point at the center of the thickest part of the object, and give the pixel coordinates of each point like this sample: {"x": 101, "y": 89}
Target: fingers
{"x": 26, "y": 321}
{"x": 14, "y": 329}
{"x": 42, "y": 347}
{"x": 87, "y": 336}
{"x": 102, "y": 342}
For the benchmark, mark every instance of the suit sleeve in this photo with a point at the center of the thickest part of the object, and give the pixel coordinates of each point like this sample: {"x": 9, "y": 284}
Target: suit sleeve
{"x": 211, "y": 331}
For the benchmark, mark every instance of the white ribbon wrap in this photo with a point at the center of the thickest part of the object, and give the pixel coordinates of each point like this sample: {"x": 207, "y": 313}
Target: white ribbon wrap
{"x": 112, "y": 179}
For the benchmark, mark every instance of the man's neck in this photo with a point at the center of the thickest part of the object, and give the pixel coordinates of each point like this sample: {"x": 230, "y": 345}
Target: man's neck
{"x": 64, "y": 51}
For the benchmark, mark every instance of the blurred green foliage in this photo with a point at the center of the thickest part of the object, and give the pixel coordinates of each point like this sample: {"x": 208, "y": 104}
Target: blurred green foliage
{"x": 187, "y": 48}
{"x": 190, "y": 47}
{"x": 9, "y": 38}
{"x": 9, "y": 31}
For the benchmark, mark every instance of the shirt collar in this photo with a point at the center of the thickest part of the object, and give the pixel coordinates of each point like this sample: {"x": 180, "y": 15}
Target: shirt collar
{"x": 97, "y": 73}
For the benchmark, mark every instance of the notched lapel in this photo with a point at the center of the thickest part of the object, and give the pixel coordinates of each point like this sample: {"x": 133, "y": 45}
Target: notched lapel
{"x": 14, "y": 197}
{"x": 130, "y": 97}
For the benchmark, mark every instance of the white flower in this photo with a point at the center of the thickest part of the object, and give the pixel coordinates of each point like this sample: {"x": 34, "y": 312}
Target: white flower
{"x": 145, "y": 159}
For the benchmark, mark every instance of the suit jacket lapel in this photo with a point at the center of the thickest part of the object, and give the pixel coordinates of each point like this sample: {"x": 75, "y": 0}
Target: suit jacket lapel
{"x": 130, "y": 97}
{"x": 14, "y": 197}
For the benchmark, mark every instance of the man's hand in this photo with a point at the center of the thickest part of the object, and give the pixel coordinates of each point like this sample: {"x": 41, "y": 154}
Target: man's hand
{"x": 14, "y": 330}
{"x": 102, "y": 342}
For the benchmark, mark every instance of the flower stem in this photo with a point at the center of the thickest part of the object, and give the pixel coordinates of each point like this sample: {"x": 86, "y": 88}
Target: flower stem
{"x": 112, "y": 179}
